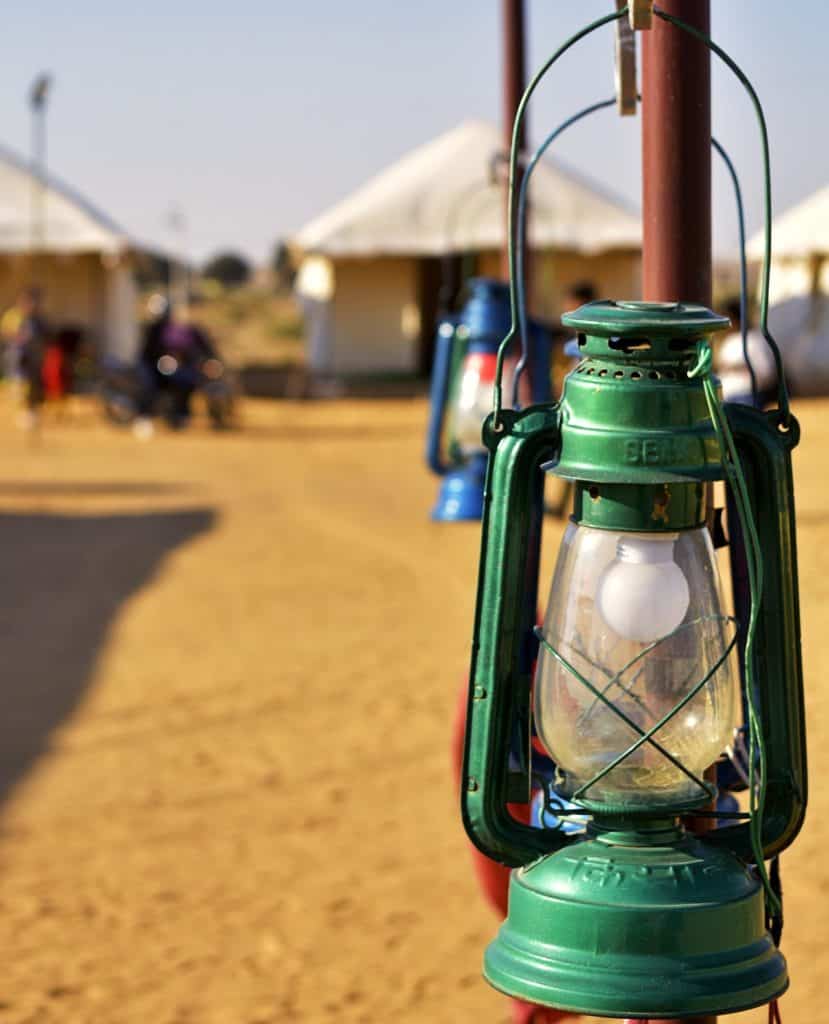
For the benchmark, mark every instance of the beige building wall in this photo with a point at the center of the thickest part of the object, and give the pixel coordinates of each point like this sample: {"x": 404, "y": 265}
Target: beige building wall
{"x": 79, "y": 291}
{"x": 375, "y": 316}
{"x": 614, "y": 274}
{"x": 366, "y": 316}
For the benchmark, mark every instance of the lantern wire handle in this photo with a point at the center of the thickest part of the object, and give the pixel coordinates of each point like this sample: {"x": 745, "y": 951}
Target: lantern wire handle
{"x": 754, "y": 563}
{"x": 513, "y": 167}
{"x": 522, "y": 231}
{"x": 782, "y": 390}
{"x": 741, "y": 223}
{"x": 521, "y": 228}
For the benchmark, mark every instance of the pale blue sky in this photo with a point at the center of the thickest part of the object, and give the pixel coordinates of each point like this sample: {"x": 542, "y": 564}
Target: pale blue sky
{"x": 256, "y": 115}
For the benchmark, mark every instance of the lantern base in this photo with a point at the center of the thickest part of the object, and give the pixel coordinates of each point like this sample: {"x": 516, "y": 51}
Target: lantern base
{"x": 637, "y": 926}
{"x": 462, "y": 492}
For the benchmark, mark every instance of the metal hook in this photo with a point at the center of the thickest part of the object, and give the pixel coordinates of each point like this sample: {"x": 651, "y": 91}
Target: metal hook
{"x": 625, "y": 66}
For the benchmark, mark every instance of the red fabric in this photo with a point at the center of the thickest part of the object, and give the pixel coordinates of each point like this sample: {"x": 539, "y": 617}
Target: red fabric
{"x": 55, "y": 372}
{"x": 493, "y": 878}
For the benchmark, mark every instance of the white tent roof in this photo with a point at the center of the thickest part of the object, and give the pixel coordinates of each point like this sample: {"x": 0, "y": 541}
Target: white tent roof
{"x": 71, "y": 223}
{"x": 439, "y": 198}
{"x": 801, "y": 231}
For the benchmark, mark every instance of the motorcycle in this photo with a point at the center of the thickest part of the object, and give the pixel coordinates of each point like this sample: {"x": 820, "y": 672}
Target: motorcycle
{"x": 125, "y": 387}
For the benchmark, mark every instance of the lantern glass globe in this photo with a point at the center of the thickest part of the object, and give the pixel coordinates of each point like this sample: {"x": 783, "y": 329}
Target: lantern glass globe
{"x": 473, "y": 401}
{"x": 474, "y": 395}
{"x": 640, "y": 617}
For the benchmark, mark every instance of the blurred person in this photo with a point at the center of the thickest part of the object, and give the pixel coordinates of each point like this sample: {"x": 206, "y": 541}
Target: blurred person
{"x": 9, "y": 332}
{"x": 174, "y": 350}
{"x": 32, "y": 340}
{"x": 159, "y": 311}
{"x": 731, "y": 367}
{"x": 58, "y": 363}
{"x": 186, "y": 347}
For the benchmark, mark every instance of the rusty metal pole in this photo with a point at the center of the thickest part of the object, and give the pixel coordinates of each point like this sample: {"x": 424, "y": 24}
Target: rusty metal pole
{"x": 676, "y": 158}
{"x": 514, "y": 77}
{"x": 676, "y": 171}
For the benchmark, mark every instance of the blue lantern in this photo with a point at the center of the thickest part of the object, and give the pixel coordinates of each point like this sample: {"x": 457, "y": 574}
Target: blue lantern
{"x": 463, "y": 377}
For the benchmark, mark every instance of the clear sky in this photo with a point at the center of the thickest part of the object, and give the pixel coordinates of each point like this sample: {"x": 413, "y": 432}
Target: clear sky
{"x": 255, "y": 115}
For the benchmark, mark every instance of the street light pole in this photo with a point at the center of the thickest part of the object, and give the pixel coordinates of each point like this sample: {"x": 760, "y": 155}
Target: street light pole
{"x": 38, "y": 97}
{"x": 676, "y": 170}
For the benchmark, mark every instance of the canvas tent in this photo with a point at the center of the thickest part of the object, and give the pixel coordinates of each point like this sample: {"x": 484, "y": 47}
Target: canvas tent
{"x": 83, "y": 261}
{"x": 372, "y": 267}
{"x": 799, "y": 291}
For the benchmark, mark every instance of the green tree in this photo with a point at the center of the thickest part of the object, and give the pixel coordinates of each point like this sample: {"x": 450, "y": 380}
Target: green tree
{"x": 228, "y": 268}
{"x": 282, "y": 265}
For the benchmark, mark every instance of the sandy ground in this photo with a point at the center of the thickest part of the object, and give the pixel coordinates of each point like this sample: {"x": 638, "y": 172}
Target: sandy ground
{"x": 229, "y": 670}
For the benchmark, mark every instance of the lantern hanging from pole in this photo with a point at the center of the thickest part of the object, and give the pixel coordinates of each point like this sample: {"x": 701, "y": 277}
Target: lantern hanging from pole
{"x": 463, "y": 378}
{"x": 636, "y": 692}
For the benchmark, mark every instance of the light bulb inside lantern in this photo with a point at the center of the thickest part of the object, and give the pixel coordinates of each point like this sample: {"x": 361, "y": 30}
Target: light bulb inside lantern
{"x": 643, "y": 595}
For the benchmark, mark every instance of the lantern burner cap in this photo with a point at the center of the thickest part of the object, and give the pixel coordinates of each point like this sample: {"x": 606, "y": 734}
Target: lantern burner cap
{"x": 609, "y": 319}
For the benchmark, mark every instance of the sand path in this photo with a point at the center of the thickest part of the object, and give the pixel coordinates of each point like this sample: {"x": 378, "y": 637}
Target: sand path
{"x": 229, "y": 669}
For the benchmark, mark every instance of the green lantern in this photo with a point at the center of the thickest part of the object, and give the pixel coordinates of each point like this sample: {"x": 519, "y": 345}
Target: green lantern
{"x": 636, "y": 692}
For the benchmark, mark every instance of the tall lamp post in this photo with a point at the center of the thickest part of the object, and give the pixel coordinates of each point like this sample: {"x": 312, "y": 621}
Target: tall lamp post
{"x": 38, "y": 99}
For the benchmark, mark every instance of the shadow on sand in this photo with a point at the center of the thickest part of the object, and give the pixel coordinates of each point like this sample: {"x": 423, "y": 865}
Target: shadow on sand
{"x": 63, "y": 579}
{"x": 88, "y": 489}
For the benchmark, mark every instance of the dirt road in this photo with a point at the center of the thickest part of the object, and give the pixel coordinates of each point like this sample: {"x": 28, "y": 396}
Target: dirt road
{"x": 229, "y": 669}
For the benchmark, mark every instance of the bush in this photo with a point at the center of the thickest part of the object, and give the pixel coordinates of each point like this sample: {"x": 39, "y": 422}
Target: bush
{"x": 228, "y": 268}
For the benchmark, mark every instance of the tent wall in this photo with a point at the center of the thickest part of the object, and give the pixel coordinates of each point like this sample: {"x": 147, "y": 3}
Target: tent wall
{"x": 79, "y": 291}
{"x": 375, "y": 316}
{"x": 791, "y": 276}
{"x": 379, "y": 317}
{"x": 121, "y": 303}
{"x": 73, "y": 286}
{"x": 615, "y": 274}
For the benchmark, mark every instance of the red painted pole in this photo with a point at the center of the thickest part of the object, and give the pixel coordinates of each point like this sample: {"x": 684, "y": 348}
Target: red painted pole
{"x": 676, "y": 171}
{"x": 676, "y": 157}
